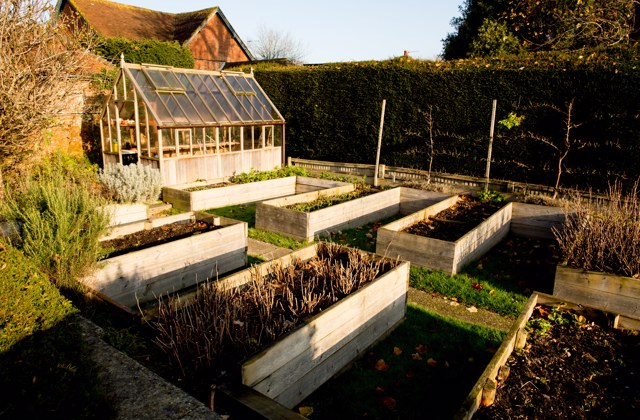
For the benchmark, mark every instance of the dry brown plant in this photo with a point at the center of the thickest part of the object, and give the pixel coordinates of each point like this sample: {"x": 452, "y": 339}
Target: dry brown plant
{"x": 244, "y": 319}
{"x": 40, "y": 59}
{"x": 603, "y": 234}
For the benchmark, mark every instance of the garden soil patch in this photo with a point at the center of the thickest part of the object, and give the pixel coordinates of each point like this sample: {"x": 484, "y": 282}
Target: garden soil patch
{"x": 571, "y": 368}
{"x": 453, "y": 223}
{"x": 156, "y": 236}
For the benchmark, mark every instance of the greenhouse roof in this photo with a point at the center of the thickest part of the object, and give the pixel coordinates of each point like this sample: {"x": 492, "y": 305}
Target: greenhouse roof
{"x": 186, "y": 97}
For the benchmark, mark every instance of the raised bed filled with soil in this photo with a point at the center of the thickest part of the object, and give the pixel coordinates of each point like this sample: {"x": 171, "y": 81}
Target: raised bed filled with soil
{"x": 456, "y": 236}
{"x": 288, "y": 358}
{"x": 164, "y": 258}
{"x": 220, "y": 193}
{"x": 608, "y": 292}
{"x": 274, "y": 216}
{"x": 569, "y": 363}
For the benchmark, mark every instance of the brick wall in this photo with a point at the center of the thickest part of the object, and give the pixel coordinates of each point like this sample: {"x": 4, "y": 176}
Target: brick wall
{"x": 215, "y": 42}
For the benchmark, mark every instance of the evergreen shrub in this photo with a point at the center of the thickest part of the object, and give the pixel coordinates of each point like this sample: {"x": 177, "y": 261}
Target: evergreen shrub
{"x": 151, "y": 51}
{"x": 333, "y": 113}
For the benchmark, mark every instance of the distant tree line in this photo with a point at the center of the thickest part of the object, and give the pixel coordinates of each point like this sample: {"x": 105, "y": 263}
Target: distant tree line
{"x": 488, "y": 27}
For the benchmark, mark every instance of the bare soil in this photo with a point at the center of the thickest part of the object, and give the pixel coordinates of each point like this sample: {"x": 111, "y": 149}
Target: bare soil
{"x": 577, "y": 369}
{"x": 454, "y": 222}
{"x": 156, "y": 236}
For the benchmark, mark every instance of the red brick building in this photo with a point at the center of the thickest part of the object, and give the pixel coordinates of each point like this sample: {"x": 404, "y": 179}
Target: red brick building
{"x": 207, "y": 33}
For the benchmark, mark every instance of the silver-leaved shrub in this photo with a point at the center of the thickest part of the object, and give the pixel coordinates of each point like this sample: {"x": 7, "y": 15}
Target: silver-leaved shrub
{"x": 133, "y": 183}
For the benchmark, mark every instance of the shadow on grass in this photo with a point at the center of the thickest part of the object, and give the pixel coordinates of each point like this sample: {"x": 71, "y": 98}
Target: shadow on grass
{"x": 424, "y": 369}
{"x": 50, "y": 375}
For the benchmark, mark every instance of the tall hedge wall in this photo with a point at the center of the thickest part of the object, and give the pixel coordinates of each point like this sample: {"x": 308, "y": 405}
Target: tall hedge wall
{"x": 145, "y": 51}
{"x": 333, "y": 111}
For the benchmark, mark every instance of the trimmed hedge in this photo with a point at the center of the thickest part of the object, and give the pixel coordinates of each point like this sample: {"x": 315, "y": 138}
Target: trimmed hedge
{"x": 333, "y": 111}
{"x": 45, "y": 371}
{"x": 145, "y": 51}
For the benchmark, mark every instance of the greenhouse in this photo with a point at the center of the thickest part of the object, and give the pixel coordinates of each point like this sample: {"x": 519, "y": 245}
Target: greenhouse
{"x": 191, "y": 124}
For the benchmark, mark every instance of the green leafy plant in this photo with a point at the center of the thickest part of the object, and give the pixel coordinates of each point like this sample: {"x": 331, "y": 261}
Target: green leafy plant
{"x": 513, "y": 120}
{"x": 104, "y": 79}
{"x": 488, "y": 196}
{"x": 539, "y": 326}
{"x": 324, "y": 201}
{"x": 166, "y": 53}
{"x": 255, "y": 176}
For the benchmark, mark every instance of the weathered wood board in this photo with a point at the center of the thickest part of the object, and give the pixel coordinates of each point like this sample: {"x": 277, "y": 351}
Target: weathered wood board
{"x": 515, "y": 338}
{"x": 130, "y": 228}
{"x": 272, "y": 215}
{"x": 606, "y": 292}
{"x": 293, "y": 367}
{"x": 436, "y": 254}
{"x": 122, "y": 214}
{"x": 143, "y": 275}
{"x": 535, "y": 221}
{"x": 245, "y": 193}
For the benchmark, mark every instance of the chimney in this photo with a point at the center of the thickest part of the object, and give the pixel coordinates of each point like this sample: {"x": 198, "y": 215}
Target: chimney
{"x": 406, "y": 53}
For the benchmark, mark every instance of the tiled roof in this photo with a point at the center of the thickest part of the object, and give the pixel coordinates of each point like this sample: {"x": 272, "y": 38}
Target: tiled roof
{"x": 112, "y": 19}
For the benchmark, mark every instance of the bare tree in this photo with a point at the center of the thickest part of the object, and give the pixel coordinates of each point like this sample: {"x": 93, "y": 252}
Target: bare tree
{"x": 562, "y": 145}
{"x": 271, "y": 44}
{"x": 38, "y": 58}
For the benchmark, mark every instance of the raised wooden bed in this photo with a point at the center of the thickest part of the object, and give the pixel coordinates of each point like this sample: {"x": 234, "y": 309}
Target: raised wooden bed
{"x": 143, "y": 275}
{"x": 246, "y": 193}
{"x": 536, "y": 221}
{"x": 436, "y": 254}
{"x": 603, "y": 291}
{"x": 122, "y": 214}
{"x": 305, "y": 226}
{"x": 297, "y": 364}
{"x": 485, "y": 387}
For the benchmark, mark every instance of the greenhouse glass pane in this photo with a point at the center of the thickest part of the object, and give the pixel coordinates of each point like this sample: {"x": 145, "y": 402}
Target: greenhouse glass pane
{"x": 187, "y": 106}
{"x": 272, "y": 112}
{"x": 221, "y": 99}
{"x": 234, "y": 83}
{"x": 195, "y": 99}
{"x": 173, "y": 107}
{"x": 153, "y": 100}
{"x": 246, "y": 102}
{"x": 233, "y": 100}
{"x": 172, "y": 81}
{"x": 264, "y": 114}
{"x": 163, "y": 80}
{"x": 246, "y": 87}
{"x": 205, "y": 94}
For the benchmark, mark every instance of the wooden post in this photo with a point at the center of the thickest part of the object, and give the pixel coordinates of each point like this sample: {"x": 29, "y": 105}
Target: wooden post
{"x": 491, "y": 130}
{"x": 375, "y": 174}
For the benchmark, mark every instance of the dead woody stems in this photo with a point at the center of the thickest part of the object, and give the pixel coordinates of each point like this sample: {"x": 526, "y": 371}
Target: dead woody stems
{"x": 221, "y": 322}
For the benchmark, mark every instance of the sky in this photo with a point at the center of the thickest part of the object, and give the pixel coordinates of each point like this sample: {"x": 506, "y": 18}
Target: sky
{"x": 336, "y": 30}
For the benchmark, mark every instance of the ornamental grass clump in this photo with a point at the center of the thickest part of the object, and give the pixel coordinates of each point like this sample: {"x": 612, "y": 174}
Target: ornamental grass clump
{"x": 225, "y": 325}
{"x": 133, "y": 183}
{"x": 603, "y": 234}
